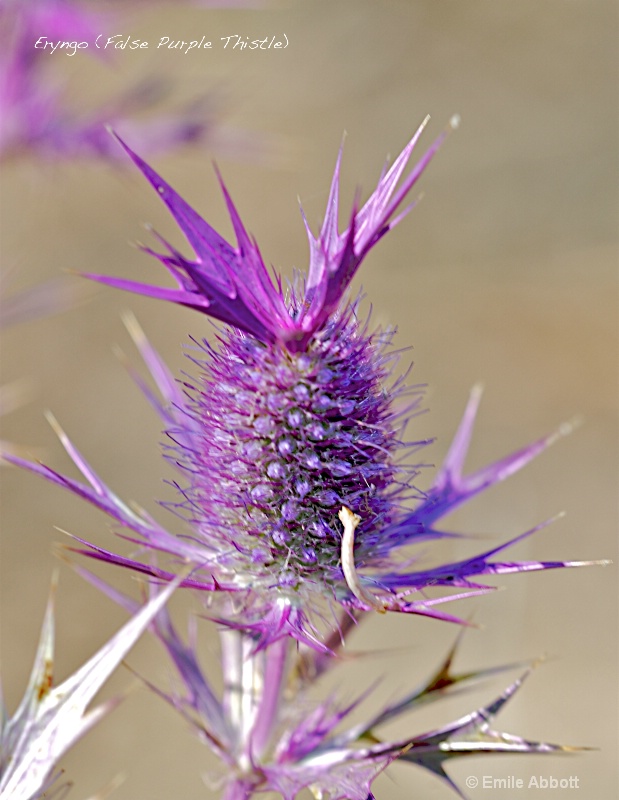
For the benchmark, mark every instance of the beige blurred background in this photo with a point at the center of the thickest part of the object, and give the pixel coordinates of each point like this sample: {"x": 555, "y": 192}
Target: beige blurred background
{"x": 505, "y": 273}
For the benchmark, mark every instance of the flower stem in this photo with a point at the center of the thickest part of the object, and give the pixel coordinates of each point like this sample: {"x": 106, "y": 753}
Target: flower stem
{"x": 273, "y": 678}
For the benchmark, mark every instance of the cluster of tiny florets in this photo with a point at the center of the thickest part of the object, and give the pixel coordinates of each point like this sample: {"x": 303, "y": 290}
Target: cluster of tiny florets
{"x": 286, "y": 439}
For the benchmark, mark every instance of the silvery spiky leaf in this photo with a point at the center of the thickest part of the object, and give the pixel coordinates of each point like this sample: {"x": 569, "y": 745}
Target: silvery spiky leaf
{"x": 50, "y": 719}
{"x": 270, "y": 736}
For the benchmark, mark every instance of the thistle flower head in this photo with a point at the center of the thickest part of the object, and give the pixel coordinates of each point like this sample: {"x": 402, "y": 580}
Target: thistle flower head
{"x": 290, "y": 440}
{"x": 291, "y": 419}
{"x": 285, "y": 439}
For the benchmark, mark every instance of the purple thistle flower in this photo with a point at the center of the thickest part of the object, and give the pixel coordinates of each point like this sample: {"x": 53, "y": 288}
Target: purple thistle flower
{"x": 296, "y": 498}
{"x": 290, "y": 442}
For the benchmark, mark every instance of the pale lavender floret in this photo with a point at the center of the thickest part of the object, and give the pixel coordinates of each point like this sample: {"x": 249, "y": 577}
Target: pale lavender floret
{"x": 50, "y": 719}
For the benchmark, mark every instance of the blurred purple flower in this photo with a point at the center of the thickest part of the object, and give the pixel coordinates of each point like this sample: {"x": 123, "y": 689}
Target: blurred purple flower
{"x": 291, "y": 442}
{"x": 35, "y": 114}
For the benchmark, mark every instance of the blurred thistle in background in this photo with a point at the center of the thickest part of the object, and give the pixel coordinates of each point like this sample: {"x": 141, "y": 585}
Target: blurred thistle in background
{"x": 36, "y": 115}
